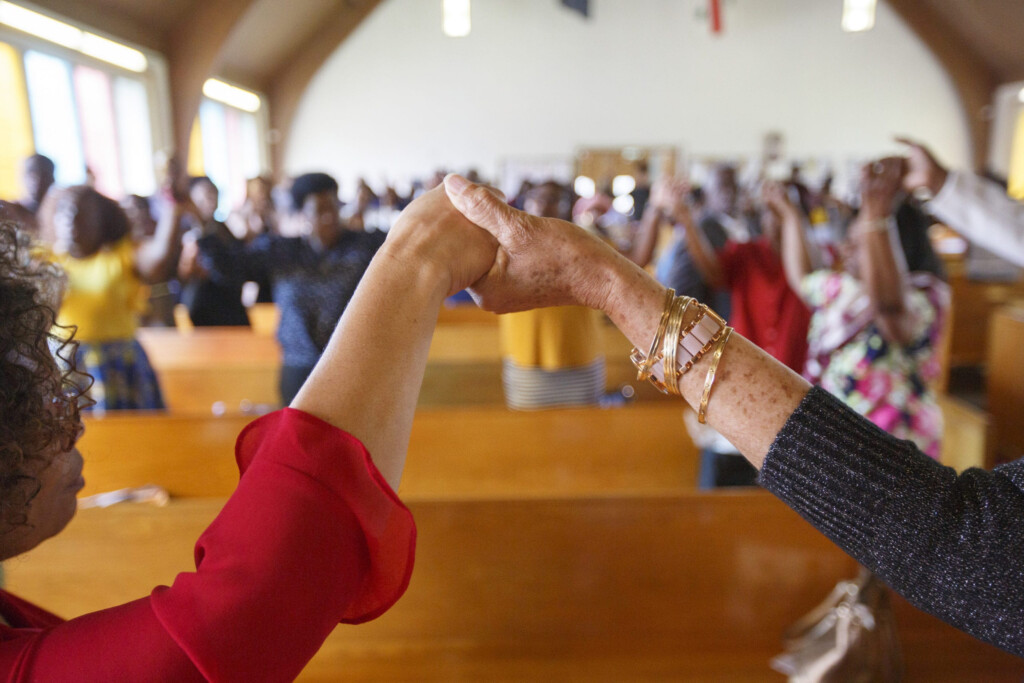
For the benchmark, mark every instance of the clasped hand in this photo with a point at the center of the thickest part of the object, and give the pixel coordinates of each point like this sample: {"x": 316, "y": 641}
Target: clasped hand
{"x": 510, "y": 260}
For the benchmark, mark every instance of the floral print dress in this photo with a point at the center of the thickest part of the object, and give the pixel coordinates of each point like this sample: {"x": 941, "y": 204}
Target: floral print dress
{"x": 885, "y": 382}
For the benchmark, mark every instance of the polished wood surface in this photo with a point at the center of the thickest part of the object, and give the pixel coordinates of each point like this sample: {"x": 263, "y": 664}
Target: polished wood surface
{"x": 1006, "y": 383}
{"x": 188, "y": 456}
{"x": 489, "y": 452}
{"x": 973, "y": 304}
{"x": 966, "y": 434}
{"x": 229, "y": 370}
{"x": 689, "y": 587}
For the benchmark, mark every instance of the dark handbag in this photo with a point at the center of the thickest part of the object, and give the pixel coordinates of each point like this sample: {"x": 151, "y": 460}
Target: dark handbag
{"x": 850, "y": 637}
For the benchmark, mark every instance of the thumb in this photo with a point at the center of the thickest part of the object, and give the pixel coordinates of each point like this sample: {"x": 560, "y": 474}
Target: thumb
{"x": 479, "y": 204}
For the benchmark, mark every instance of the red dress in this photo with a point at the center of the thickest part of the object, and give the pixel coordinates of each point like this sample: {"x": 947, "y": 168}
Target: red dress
{"x": 313, "y": 536}
{"x": 764, "y": 309}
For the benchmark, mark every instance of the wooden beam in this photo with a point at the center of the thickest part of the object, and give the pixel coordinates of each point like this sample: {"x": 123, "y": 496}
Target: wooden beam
{"x": 286, "y": 87}
{"x": 193, "y": 50}
{"x": 973, "y": 79}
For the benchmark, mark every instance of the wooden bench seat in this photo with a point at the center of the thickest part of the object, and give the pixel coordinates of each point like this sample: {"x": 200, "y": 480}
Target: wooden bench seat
{"x": 236, "y": 370}
{"x": 664, "y": 588}
{"x": 452, "y": 453}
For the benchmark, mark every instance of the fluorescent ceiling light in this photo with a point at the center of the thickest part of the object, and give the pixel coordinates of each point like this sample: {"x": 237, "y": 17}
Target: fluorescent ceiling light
{"x": 40, "y": 25}
{"x": 457, "y": 22}
{"x": 1020, "y": 95}
{"x": 858, "y": 15}
{"x": 231, "y": 95}
{"x": 72, "y": 37}
{"x": 113, "y": 53}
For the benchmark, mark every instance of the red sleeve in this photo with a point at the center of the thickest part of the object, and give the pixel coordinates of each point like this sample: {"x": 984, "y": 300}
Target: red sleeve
{"x": 730, "y": 256}
{"x": 312, "y": 536}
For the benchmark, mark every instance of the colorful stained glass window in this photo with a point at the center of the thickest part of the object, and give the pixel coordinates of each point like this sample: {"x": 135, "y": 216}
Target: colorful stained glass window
{"x": 54, "y": 115}
{"x": 131, "y": 102}
{"x": 227, "y": 140}
{"x": 95, "y": 99}
{"x": 15, "y": 124}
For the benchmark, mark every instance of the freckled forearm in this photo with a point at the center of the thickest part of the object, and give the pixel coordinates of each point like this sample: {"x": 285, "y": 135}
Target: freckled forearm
{"x": 753, "y": 394}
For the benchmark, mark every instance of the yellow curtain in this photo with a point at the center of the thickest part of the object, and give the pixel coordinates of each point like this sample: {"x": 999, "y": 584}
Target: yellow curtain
{"x": 196, "y": 165}
{"x": 15, "y": 124}
{"x": 1016, "y": 179}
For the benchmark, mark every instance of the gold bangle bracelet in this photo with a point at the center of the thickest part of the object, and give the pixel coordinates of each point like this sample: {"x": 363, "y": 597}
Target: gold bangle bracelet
{"x": 672, "y": 334}
{"x": 709, "y": 380}
{"x": 644, "y": 368}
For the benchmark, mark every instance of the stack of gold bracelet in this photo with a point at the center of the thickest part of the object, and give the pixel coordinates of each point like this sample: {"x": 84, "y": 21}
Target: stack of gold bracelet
{"x": 681, "y": 347}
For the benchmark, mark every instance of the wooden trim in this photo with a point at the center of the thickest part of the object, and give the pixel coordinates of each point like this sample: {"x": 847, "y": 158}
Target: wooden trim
{"x": 193, "y": 51}
{"x": 974, "y": 81}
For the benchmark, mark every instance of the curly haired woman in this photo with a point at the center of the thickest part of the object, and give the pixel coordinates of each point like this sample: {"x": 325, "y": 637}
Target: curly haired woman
{"x": 314, "y": 534}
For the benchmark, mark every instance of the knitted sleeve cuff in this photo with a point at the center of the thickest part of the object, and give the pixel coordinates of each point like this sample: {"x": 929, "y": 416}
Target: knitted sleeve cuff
{"x": 839, "y": 471}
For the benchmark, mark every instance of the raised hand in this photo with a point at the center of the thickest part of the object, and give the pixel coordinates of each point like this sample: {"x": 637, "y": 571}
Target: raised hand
{"x": 665, "y": 194}
{"x": 540, "y": 261}
{"x": 773, "y": 195}
{"x": 879, "y": 183}
{"x": 431, "y": 229}
{"x": 922, "y": 170}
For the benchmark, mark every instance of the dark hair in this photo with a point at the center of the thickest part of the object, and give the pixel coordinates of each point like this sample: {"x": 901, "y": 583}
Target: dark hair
{"x": 113, "y": 220}
{"x": 199, "y": 180}
{"x": 41, "y": 391}
{"x": 912, "y": 224}
{"x": 46, "y": 162}
{"x": 311, "y": 183}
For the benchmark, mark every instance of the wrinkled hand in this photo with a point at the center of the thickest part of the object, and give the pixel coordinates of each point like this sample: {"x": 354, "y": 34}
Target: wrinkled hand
{"x": 430, "y": 230}
{"x": 922, "y": 170}
{"x": 879, "y": 183}
{"x": 540, "y": 261}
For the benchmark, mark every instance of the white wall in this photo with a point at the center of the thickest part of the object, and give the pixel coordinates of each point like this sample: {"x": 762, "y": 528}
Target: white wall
{"x": 399, "y": 99}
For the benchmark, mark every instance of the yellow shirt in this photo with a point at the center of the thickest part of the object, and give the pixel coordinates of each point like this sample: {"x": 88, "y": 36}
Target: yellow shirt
{"x": 551, "y": 338}
{"x": 103, "y": 295}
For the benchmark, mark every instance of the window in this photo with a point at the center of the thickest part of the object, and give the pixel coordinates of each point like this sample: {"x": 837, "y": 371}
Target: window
{"x": 226, "y": 143}
{"x": 80, "y": 99}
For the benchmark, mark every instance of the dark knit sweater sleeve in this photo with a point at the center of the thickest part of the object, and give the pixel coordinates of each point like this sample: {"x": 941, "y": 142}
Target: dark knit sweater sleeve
{"x": 953, "y": 545}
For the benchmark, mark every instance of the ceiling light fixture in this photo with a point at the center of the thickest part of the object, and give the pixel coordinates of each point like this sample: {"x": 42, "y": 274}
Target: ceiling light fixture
{"x": 113, "y": 52}
{"x": 232, "y": 95}
{"x": 457, "y": 23}
{"x": 72, "y": 37}
{"x": 858, "y": 15}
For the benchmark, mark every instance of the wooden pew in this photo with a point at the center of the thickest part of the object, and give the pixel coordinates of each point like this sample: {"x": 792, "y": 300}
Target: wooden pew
{"x": 488, "y": 452}
{"x": 966, "y": 434}
{"x": 231, "y": 370}
{"x": 227, "y": 366}
{"x": 690, "y": 587}
{"x": 973, "y": 303}
{"x": 1006, "y": 383}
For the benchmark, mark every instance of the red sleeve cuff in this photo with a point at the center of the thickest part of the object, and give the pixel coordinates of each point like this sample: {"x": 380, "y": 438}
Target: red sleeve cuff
{"x": 339, "y": 461}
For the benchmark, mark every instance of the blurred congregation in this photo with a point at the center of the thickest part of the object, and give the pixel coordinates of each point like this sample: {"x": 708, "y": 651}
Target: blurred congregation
{"x": 214, "y": 179}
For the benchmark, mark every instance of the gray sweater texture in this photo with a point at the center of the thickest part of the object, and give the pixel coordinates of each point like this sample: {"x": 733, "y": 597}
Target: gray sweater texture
{"x": 953, "y": 545}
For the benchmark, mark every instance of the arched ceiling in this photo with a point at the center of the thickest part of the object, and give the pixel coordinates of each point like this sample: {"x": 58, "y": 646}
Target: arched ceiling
{"x": 276, "y": 46}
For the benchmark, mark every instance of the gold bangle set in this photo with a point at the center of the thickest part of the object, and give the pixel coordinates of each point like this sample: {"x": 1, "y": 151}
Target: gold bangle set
{"x": 682, "y": 347}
